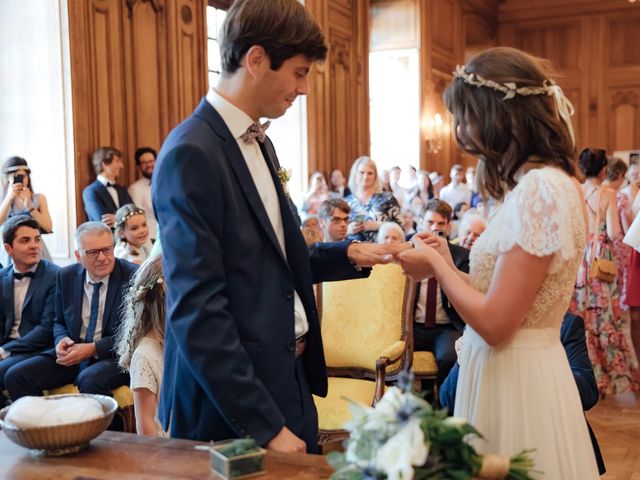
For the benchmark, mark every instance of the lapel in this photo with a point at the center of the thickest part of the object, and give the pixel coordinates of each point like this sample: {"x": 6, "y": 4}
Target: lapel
{"x": 7, "y": 298}
{"x": 33, "y": 285}
{"x": 77, "y": 295}
{"x": 240, "y": 169}
{"x": 104, "y": 193}
{"x": 113, "y": 291}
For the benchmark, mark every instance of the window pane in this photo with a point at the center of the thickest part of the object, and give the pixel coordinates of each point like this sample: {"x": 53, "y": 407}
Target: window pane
{"x": 213, "y": 54}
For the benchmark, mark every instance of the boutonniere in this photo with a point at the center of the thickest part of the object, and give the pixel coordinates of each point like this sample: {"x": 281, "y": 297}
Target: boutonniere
{"x": 284, "y": 177}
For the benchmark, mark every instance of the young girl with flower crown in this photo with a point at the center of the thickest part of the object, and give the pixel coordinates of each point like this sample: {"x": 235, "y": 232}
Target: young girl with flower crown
{"x": 140, "y": 341}
{"x": 132, "y": 234}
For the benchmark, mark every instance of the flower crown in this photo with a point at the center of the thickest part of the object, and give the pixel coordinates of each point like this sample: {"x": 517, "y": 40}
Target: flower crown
{"x": 149, "y": 286}
{"x": 563, "y": 106}
{"x": 123, "y": 220}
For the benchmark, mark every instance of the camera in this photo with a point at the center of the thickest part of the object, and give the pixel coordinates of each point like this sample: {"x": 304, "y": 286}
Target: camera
{"x": 440, "y": 233}
{"x": 18, "y": 178}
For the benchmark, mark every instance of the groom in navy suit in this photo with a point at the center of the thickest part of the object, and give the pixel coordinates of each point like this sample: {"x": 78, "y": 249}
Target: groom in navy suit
{"x": 88, "y": 314}
{"x": 104, "y": 196}
{"x": 27, "y": 289}
{"x": 243, "y": 350}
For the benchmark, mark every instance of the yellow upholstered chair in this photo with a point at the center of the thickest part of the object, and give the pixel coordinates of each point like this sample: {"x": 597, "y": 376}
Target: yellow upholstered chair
{"x": 123, "y": 395}
{"x": 366, "y": 330}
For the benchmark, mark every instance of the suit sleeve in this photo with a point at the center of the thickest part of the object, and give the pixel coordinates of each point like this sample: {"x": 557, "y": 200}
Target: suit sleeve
{"x": 91, "y": 204}
{"x": 59, "y": 326}
{"x": 41, "y": 336}
{"x": 575, "y": 345}
{"x": 329, "y": 263}
{"x": 189, "y": 202}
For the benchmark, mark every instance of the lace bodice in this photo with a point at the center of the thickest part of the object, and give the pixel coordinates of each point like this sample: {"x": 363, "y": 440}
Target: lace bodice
{"x": 544, "y": 216}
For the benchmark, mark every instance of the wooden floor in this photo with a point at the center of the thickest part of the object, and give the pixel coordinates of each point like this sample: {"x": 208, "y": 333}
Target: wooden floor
{"x": 616, "y": 423}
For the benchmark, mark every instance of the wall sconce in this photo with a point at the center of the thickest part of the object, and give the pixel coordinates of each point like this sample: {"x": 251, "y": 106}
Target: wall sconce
{"x": 434, "y": 133}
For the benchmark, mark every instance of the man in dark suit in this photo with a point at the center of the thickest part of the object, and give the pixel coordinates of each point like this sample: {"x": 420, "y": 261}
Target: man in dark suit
{"x": 437, "y": 325}
{"x": 572, "y": 337}
{"x": 87, "y": 308}
{"x": 27, "y": 290}
{"x": 104, "y": 196}
{"x": 243, "y": 350}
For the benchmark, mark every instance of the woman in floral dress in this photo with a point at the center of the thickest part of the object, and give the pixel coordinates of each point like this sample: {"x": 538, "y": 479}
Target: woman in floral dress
{"x": 370, "y": 207}
{"x": 595, "y": 300}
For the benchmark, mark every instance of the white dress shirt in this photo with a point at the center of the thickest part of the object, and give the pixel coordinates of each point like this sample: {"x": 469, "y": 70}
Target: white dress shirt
{"x": 112, "y": 191}
{"x": 455, "y": 194}
{"x": 237, "y": 121}
{"x": 140, "y": 192}
{"x": 441, "y": 315}
{"x": 86, "y": 306}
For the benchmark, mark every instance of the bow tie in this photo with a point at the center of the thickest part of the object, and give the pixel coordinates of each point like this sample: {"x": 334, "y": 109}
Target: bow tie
{"x": 20, "y": 276}
{"x": 109, "y": 184}
{"x": 255, "y": 130}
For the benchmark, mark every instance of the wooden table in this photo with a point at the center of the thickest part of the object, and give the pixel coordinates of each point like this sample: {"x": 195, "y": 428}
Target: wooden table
{"x": 124, "y": 456}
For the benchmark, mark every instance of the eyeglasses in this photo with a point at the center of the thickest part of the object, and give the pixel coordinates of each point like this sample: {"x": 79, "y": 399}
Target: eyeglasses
{"x": 95, "y": 252}
{"x": 339, "y": 219}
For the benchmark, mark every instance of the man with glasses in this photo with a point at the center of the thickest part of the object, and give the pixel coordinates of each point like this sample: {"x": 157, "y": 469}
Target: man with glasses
{"x": 334, "y": 218}
{"x": 88, "y": 314}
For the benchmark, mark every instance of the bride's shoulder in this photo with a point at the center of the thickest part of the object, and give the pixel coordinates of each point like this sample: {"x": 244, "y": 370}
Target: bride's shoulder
{"x": 547, "y": 182}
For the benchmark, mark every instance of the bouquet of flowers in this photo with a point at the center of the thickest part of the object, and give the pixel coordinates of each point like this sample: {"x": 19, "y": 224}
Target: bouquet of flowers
{"x": 403, "y": 437}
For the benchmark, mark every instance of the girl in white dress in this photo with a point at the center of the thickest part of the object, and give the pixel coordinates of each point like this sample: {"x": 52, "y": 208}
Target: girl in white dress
{"x": 132, "y": 234}
{"x": 515, "y": 384}
{"x": 140, "y": 340}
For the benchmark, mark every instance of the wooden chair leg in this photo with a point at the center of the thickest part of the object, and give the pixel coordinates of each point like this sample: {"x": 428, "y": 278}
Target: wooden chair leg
{"x": 127, "y": 415}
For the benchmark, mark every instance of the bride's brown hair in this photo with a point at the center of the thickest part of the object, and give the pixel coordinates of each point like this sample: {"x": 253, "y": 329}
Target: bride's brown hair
{"x": 507, "y": 132}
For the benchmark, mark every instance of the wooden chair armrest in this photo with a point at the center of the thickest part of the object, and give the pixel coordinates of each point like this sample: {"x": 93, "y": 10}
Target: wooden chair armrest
{"x": 389, "y": 356}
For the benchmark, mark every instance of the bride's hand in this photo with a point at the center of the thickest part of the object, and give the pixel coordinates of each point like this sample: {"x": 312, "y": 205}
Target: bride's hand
{"x": 439, "y": 244}
{"x": 418, "y": 262}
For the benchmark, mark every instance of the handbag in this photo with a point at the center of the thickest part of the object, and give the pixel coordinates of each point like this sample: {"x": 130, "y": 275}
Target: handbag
{"x": 601, "y": 268}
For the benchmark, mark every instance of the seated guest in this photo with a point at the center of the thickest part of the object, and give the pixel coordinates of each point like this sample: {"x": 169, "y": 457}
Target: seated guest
{"x": 318, "y": 192}
{"x": 390, "y": 233}
{"x": 454, "y": 226}
{"x": 437, "y": 325}
{"x": 139, "y": 343}
{"x": 422, "y": 195}
{"x": 140, "y": 190}
{"x": 408, "y": 223}
{"x": 334, "y": 218}
{"x": 104, "y": 196}
{"x": 87, "y": 308}
{"x": 471, "y": 227}
{"x": 572, "y": 336}
{"x": 132, "y": 234}
{"x": 27, "y": 291}
{"x": 457, "y": 191}
{"x": 339, "y": 187}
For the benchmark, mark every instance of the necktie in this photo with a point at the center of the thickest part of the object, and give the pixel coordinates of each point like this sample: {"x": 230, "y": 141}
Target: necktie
{"x": 93, "y": 313}
{"x": 20, "y": 276}
{"x": 430, "y": 308}
{"x": 256, "y": 130}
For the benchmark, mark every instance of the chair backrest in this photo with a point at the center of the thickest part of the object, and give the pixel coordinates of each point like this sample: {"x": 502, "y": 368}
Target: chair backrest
{"x": 361, "y": 318}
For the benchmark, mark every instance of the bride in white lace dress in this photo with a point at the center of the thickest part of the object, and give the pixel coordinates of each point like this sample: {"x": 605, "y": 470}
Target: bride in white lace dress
{"x": 515, "y": 384}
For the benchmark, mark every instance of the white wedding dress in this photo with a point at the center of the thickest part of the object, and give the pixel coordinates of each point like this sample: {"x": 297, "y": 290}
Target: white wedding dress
{"x": 522, "y": 394}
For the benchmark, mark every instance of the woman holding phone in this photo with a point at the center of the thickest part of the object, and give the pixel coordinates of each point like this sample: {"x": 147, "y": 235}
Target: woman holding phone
{"x": 19, "y": 197}
{"x": 370, "y": 206}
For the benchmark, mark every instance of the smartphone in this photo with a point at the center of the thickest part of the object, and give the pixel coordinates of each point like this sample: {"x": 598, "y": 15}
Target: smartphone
{"x": 440, "y": 233}
{"x": 359, "y": 218}
{"x": 18, "y": 178}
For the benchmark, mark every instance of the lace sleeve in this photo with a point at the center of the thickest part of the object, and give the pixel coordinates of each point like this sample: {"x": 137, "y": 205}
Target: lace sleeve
{"x": 143, "y": 371}
{"x": 539, "y": 217}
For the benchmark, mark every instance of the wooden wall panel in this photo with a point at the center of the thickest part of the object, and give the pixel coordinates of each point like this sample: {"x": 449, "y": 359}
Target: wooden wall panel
{"x": 338, "y": 102}
{"x": 590, "y": 44}
{"x": 138, "y": 68}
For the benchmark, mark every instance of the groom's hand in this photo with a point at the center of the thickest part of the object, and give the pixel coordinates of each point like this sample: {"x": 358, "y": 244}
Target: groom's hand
{"x": 286, "y": 441}
{"x": 370, "y": 254}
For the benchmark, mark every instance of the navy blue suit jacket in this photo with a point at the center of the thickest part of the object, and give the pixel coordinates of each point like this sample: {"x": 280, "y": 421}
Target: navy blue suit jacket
{"x": 97, "y": 200}
{"x": 37, "y": 310}
{"x": 230, "y": 366}
{"x": 68, "y": 305}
